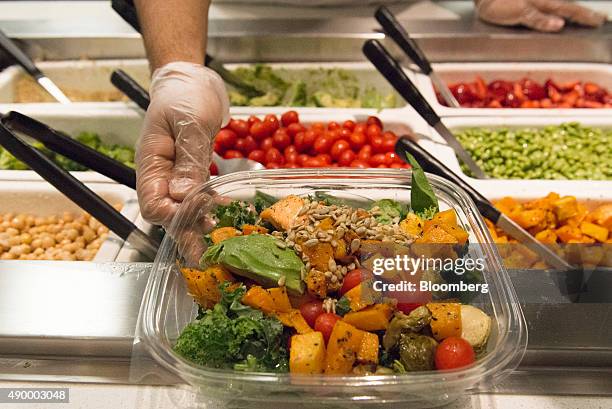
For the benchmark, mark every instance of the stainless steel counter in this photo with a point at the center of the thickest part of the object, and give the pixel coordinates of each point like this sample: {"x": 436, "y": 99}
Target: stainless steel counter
{"x": 448, "y": 31}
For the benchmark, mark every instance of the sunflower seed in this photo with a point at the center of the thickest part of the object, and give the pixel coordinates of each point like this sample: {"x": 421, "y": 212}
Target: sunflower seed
{"x": 351, "y": 266}
{"x": 323, "y": 210}
{"x": 307, "y": 266}
{"x": 281, "y": 281}
{"x": 328, "y": 274}
{"x": 340, "y": 232}
{"x": 355, "y": 244}
{"x": 310, "y": 229}
{"x": 333, "y": 279}
{"x": 281, "y": 244}
{"x": 311, "y": 242}
{"x": 298, "y": 248}
{"x": 360, "y": 230}
{"x": 331, "y": 264}
{"x": 334, "y": 243}
{"x": 304, "y": 209}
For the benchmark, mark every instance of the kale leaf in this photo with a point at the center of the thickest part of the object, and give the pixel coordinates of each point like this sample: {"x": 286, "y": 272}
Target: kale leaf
{"x": 236, "y": 214}
{"x": 423, "y": 200}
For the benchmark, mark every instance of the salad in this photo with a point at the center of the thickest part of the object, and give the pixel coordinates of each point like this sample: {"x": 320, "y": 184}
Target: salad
{"x": 289, "y": 285}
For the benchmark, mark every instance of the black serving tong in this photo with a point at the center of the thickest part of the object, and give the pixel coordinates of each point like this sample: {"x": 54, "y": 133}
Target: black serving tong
{"x": 127, "y": 11}
{"x": 31, "y": 69}
{"x": 71, "y": 148}
{"x": 80, "y": 194}
{"x": 392, "y": 71}
{"x": 396, "y": 31}
{"x": 485, "y": 207}
{"x": 126, "y": 84}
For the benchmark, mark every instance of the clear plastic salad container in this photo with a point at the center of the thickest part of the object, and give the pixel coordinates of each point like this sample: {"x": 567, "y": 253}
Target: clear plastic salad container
{"x": 167, "y": 307}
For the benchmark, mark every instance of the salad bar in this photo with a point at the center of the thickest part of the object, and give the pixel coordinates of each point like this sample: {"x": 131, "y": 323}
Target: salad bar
{"x": 293, "y": 284}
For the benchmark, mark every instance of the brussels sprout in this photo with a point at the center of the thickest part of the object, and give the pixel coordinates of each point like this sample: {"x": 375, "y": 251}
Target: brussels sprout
{"x": 402, "y": 323}
{"x": 417, "y": 352}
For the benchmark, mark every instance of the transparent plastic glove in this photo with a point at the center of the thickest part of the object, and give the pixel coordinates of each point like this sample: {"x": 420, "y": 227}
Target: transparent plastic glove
{"x": 189, "y": 104}
{"x": 541, "y": 15}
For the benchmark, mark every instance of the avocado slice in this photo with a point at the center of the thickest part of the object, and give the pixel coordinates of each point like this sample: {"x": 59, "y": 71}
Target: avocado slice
{"x": 259, "y": 258}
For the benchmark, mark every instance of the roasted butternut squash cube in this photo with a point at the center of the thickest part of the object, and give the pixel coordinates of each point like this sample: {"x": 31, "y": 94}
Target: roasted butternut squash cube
{"x": 223, "y": 233}
{"x": 204, "y": 285}
{"x": 445, "y": 320}
{"x": 602, "y": 216}
{"x": 412, "y": 224}
{"x": 565, "y": 207}
{"x": 530, "y": 218}
{"x": 546, "y": 236}
{"x": 567, "y": 233}
{"x": 507, "y": 205}
{"x": 280, "y": 298}
{"x": 592, "y": 230}
{"x": 358, "y": 298}
{"x": 307, "y": 354}
{"x": 316, "y": 283}
{"x": 436, "y": 234}
{"x": 259, "y": 298}
{"x": 342, "y": 348}
{"x": 251, "y": 228}
{"x": 374, "y": 318}
{"x": 319, "y": 255}
{"x": 368, "y": 351}
{"x": 294, "y": 319}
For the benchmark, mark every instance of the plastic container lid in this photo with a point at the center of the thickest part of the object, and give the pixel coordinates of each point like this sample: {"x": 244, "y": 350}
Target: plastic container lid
{"x": 167, "y": 307}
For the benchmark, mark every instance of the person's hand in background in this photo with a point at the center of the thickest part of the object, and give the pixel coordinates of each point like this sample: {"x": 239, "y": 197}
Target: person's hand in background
{"x": 189, "y": 104}
{"x": 541, "y": 15}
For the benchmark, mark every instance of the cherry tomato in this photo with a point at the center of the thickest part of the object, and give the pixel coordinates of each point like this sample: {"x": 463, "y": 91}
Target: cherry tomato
{"x": 377, "y": 144}
{"x": 292, "y": 165}
{"x": 358, "y": 163}
{"x": 246, "y": 145}
{"x": 291, "y": 157}
{"x": 240, "y": 126}
{"x": 351, "y": 280}
{"x": 338, "y": 147}
{"x": 298, "y": 142}
{"x": 454, "y": 352}
{"x": 232, "y": 154}
{"x": 226, "y": 138}
{"x": 388, "y": 145}
{"x": 396, "y": 166}
{"x": 259, "y": 131}
{"x": 382, "y": 166}
{"x": 302, "y": 158}
{"x": 257, "y": 155}
{"x": 361, "y": 127}
{"x": 266, "y": 144}
{"x": 333, "y": 125}
{"x": 294, "y": 128}
{"x": 334, "y": 134}
{"x": 213, "y": 169}
{"x": 374, "y": 120}
{"x": 290, "y": 117}
{"x": 281, "y": 139}
{"x": 318, "y": 126}
{"x": 346, "y": 158}
{"x": 373, "y": 131}
{"x": 271, "y": 121}
{"x": 377, "y": 160}
{"x": 252, "y": 119}
{"x": 310, "y": 137}
{"x": 345, "y": 134}
{"x": 391, "y": 158}
{"x": 389, "y": 135}
{"x": 218, "y": 148}
{"x": 325, "y": 324}
{"x": 365, "y": 153}
{"x": 313, "y": 163}
{"x": 322, "y": 144}
{"x": 357, "y": 140}
{"x": 290, "y": 148}
{"x": 348, "y": 124}
{"x": 311, "y": 310}
{"x": 407, "y": 307}
{"x": 274, "y": 155}
{"x": 273, "y": 165}
{"x": 325, "y": 158}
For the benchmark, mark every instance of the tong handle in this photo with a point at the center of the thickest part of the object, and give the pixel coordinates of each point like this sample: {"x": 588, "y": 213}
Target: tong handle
{"x": 396, "y": 76}
{"x": 71, "y": 148}
{"x": 433, "y": 165}
{"x": 126, "y": 84}
{"x": 396, "y": 31}
{"x": 19, "y": 56}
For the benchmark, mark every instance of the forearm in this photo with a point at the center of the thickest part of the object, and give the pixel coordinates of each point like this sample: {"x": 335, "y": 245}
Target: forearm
{"x": 173, "y": 30}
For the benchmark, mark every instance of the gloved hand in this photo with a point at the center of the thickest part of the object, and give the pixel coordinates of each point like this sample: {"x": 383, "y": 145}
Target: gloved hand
{"x": 189, "y": 104}
{"x": 541, "y": 15}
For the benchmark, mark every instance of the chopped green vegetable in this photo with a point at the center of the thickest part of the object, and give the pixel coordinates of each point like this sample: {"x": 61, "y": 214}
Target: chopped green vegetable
{"x": 423, "y": 200}
{"x": 233, "y": 335}
{"x": 417, "y": 352}
{"x": 236, "y": 214}
{"x": 343, "y": 306}
{"x": 258, "y": 257}
{"x": 263, "y": 200}
{"x": 566, "y": 151}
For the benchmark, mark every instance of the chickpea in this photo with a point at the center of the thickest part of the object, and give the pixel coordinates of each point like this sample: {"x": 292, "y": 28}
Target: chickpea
{"x": 71, "y": 247}
{"x": 26, "y": 238}
{"x": 18, "y": 223}
{"x": 38, "y": 251}
{"x": 54, "y": 229}
{"x": 20, "y": 249}
{"x": 29, "y": 220}
{"x": 40, "y": 221}
{"x": 67, "y": 217}
{"x": 14, "y": 241}
{"x": 72, "y": 234}
{"x": 7, "y": 256}
{"x": 94, "y": 224}
{"x": 2, "y": 228}
{"x": 88, "y": 234}
{"x": 11, "y": 231}
{"x": 36, "y": 243}
{"x": 48, "y": 242}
